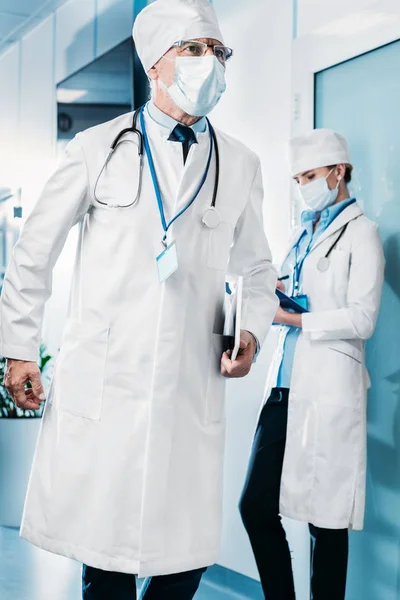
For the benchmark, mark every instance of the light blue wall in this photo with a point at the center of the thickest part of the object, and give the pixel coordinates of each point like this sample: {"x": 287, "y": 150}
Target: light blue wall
{"x": 361, "y": 99}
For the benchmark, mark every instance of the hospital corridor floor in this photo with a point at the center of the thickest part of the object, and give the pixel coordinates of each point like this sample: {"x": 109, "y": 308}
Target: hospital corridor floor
{"x": 27, "y": 573}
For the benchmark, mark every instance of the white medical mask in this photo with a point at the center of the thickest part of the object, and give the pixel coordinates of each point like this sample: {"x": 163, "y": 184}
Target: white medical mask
{"x": 198, "y": 84}
{"x": 317, "y": 195}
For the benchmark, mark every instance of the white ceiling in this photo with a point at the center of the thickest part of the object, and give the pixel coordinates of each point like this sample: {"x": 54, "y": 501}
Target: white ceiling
{"x": 19, "y": 16}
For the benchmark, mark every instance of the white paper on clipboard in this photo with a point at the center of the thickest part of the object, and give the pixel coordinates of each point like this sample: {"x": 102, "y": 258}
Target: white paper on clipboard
{"x": 238, "y": 317}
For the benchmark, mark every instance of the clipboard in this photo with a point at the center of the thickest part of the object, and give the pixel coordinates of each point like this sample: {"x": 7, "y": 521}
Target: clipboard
{"x": 289, "y": 303}
{"x": 233, "y": 320}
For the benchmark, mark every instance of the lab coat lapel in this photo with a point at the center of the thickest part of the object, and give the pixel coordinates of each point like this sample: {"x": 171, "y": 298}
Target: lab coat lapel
{"x": 294, "y": 239}
{"x": 351, "y": 212}
{"x": 194, "y": 170}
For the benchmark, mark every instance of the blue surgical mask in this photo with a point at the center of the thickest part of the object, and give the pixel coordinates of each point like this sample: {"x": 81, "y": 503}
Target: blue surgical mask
{"x": 317, "y": 195}
{"x": 198, "y": 84}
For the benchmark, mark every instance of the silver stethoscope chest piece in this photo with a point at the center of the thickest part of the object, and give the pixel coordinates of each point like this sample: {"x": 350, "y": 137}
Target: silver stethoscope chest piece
{"x": 211, "y": 218}
{"x": 323, "y": 264}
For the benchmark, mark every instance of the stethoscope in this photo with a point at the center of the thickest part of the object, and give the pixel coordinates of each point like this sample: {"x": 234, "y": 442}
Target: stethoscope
{"x": 211, "y": 217}
{"x": 324, "y": 262}
{"x": 322, "y": 265}
{"x": 140, "y": 146}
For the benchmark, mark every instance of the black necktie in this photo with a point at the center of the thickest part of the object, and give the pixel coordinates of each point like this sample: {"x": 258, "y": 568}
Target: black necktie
{"x": 186, "y": 136}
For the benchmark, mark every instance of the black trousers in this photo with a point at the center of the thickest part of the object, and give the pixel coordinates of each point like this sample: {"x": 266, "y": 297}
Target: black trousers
{"x": 259, "y": 507}
{"x": 105, "y": 585}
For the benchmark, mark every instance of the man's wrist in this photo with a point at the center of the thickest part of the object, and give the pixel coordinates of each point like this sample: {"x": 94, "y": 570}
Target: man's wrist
{"x": 255, "y": 340}
{"x": 9, "y": 359}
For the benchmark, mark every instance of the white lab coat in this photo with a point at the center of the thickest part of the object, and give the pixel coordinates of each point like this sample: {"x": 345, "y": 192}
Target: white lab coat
{"x": 127, "y": 474}
{"x": 323, "y": 479}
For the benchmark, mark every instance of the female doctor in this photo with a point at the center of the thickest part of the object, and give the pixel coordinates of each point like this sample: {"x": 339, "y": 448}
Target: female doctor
{"x": 309, "y": 457}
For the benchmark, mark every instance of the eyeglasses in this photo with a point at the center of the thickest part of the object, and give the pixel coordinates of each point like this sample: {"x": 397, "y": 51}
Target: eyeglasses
{"x": 193, "y": 48}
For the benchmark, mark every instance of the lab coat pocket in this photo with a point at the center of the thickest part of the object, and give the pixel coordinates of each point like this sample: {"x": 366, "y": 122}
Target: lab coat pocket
{"x": 347, "y": 349}
{"x": 219, "y": 245}
{"x": 215, "y": 396}
{"x": 221, "y": 238}
{"x": 335, "y": 279}
{"x": 342, "y": 375}
{"x": 81, "y": 370}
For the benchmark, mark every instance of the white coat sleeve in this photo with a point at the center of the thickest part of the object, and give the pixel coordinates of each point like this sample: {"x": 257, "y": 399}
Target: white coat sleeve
{"x": 357, "y": 320}
{"x": 28, "y": 281}
{"x": 251, "y": 257}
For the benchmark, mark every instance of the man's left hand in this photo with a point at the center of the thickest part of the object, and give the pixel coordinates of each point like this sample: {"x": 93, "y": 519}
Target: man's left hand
{"x": 242, "y": 365}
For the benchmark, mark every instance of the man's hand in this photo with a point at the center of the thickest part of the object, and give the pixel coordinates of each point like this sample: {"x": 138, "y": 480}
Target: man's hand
{"x": 242, "y": 365}
{"x": 18, "y": 374}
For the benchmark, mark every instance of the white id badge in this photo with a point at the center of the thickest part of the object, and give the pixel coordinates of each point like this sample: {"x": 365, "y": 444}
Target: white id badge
{"x": 167, "y": 262}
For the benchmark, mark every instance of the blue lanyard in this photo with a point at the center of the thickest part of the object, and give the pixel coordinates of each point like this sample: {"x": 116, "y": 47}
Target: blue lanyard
{"x": 299, "y": 263}
{"x": 157, "y": 190}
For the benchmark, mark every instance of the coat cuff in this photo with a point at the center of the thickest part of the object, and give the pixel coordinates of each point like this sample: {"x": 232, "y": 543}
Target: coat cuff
{"x": 258, "y": 347}
{"x": 311, "y": 325}
{"x": 326, "y": 325}
{"x": 19, "y": 353}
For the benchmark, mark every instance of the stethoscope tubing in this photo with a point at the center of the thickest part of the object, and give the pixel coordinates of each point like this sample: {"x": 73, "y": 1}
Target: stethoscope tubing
{"x": 299, "y": 264}
{"x": 141, "y": 150}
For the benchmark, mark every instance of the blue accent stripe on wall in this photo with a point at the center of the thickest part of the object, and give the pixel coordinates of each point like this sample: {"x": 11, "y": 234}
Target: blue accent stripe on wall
{"x": 295, "y": 17}
{"x": 95, "y": 24}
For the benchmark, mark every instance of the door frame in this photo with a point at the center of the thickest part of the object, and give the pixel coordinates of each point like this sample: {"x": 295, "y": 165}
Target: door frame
{"x": 343, "y": 39}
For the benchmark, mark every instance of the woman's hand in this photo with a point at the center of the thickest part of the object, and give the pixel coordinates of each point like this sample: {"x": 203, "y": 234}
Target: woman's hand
{"x": 284, "y": 317}
{"x": 280, "y": 286}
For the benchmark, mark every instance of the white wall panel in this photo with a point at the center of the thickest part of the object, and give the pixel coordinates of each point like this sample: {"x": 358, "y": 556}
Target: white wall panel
{"x": 38, "y": 157}
{"x": 38, "y": 110}
{"x": 256, "y": 108}
{"x": 75, "y": 37}
{"x": 9, "y": 115}
{"x": 114, "y": 23}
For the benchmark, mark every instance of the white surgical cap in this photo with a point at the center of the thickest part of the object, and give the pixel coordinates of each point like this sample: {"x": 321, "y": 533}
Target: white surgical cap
{"x": 318, "y": 148}
{"x": 165, "y": 22}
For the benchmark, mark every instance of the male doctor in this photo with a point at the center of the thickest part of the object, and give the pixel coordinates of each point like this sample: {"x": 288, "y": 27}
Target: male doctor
{"x": 127, "y": 474}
